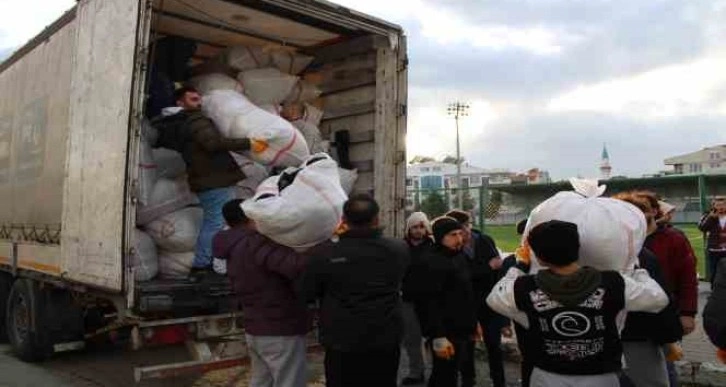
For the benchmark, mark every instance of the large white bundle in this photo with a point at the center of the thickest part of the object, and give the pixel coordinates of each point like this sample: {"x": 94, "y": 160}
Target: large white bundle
{"x": 611, "y": 231}
{"x": 169, "y": 163}
{"x": 348, "y": 178}
{"x": 144, "y": 261}
{"x": 245, "y": 58}
{"x": 303, "y": 213}
{"x": 267, "y": 86}
{"x": 148, "y": 173}
{"x": 237, "y": 117}
{"x": 175, "y": 265}
{"x": 177, "y": 232}
{"x": 208, "y": 82}
{"x": 303, "y": 92}
{"x": 167, "y": 196}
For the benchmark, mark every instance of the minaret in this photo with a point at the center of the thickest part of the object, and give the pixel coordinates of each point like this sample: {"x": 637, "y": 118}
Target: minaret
{"x": 605, "y": 167}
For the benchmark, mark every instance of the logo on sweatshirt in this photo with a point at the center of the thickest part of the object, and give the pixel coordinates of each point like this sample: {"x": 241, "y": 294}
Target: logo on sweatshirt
{"x": 571, "y": 324}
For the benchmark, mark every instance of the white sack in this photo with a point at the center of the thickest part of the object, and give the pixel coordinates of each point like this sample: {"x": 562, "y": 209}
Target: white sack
{"x": 245, "y": 58}
{"x": 348, "y": 178}
{"x": 177, "y": 232}
{"x": 303, "y": 92}
{"x": 148, "y": 173}
{"x": 208, "y": 82}
{"x": 267, "y": 86}
{"x": 169, "y": 163}
{"x": 306, "y": 212}
{"x": 313, "y": 115}
{"x": 255, "y": 174}
{"x": 167, "y": 196}
{"x": 237, "y": 117}
{"x": 144, "y": 260}
{"x": 611, "y": 231}
{"x": 175, "y": 265}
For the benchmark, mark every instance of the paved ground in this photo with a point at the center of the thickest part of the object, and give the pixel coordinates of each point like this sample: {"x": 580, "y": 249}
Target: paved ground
{"x": 114, "y": 368}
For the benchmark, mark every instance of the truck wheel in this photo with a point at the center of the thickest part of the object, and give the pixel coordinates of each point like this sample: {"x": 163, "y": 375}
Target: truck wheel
{"x": 25, "y": 322}
{"x": 6, "y": 282}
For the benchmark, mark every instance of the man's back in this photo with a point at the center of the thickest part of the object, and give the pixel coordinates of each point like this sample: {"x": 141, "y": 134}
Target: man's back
{"x": 358, "y": 280}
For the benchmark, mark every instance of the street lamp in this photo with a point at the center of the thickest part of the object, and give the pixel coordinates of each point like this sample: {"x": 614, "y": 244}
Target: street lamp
{"x": 458, "y": 109}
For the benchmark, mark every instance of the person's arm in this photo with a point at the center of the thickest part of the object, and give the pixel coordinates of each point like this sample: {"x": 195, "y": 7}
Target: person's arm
{"x": 432, "y": 304}
{"x": 208, "y": 137}
{"x": 643, "y": 294}
{"x": 707, "y": 222}
{"x": 501, "y": 299}
{"x": 687, "y": 278}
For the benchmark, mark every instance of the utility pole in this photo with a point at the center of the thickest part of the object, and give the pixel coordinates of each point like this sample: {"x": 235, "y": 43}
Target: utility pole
{"x": 458, "y": 109}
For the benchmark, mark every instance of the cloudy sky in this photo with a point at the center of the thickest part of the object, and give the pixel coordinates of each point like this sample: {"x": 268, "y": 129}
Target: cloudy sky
{"x": 549, "y": 81}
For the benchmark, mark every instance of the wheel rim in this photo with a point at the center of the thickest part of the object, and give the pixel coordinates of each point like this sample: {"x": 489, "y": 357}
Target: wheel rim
{"x": 21, "y": 318}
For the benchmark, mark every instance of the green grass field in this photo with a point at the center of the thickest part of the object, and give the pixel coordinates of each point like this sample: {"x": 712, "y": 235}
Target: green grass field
{"x": 508, "y": 240}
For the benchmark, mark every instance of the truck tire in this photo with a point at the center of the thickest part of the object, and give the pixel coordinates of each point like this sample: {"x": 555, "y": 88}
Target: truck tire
{"x": 25, "y": 322}
{"x": 6, "y": 282}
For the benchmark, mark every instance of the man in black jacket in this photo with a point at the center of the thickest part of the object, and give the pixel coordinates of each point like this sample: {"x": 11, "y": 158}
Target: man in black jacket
{"x": 357, "y": 281}
{"x": 485, "y": 264}
{"x": 449, "y": 318}
{"x": 211, "y": 170}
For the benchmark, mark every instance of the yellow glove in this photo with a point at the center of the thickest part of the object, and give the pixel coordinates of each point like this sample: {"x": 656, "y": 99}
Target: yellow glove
{"x": 675, "y": 352}
{"x": 721, "y": 354}
{"x": 443, "y": 348}
{"x": 258, "y": 146}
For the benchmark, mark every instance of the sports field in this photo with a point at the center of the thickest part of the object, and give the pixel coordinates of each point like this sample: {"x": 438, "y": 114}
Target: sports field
{"x": 508, "y": 240}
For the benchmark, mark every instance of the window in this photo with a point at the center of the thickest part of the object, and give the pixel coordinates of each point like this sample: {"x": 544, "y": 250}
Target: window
{"x": 431, "y": 182}
{"x": 695, "y": 168}
{"x": 425, "y": 169}
{"x": 715, "y": 165}
{"x": 715, "y": 155}
{"x": 409, "y": 182}
{"x": 415, "y": 183}
{"x": 437, "y": 169}
{"x": 476, "y": 181}
{"x": 464, "y": 182}
{"x": 409, "y": 203}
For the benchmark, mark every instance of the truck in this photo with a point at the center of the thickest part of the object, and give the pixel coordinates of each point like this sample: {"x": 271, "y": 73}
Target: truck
{"x": 70, "y": 125}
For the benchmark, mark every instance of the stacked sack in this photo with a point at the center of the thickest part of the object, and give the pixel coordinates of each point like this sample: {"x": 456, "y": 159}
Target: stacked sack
{"x": 612, "y": 232}
{"x": 167, "y": 218}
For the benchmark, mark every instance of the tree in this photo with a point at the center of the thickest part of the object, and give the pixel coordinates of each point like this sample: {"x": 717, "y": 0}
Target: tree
{"x": 422, "y": 159}
{"x": 451, "y": 160}
{"x": 494, "y": 205}
{"x": 433, "y": 205}
{"x": 466, "y": 198}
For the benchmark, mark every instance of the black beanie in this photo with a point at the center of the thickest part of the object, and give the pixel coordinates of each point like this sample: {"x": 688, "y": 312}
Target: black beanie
{"x": 555, "y": 242}
{"x": 444, "y": 225}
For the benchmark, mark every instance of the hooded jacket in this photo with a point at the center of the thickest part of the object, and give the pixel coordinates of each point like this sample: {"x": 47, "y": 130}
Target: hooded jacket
{"x": 204, "y": 149}
{"x": 263, "y": 274}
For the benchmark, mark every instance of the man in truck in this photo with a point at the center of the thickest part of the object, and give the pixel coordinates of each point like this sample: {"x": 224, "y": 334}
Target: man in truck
{"x": 211, "y": 170}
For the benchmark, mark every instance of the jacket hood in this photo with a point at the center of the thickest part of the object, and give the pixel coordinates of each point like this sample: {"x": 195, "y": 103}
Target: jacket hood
{"x": 171, "y": 110}
{"x": 570, "y": 290}
{"x": 226, "y": 240}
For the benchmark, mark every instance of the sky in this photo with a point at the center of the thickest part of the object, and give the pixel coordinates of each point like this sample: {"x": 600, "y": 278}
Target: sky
{"x": 548, "y": 81}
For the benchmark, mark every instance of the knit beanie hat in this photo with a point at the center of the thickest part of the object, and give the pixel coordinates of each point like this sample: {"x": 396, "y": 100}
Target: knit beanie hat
{"x": 444, "y": 225}
{"x": 418, "y": 218}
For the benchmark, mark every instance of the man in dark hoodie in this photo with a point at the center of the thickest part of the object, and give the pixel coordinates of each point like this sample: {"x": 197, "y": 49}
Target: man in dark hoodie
{"x": 449, "y": 318}
{"x": 276, "y": 320}
{"x": 484, "y": 263}
{"x": 418, "y": 239}
{"x": 571, "y": 312}
{"x": 211, "y": 170}
{"x": 357, "y": 281}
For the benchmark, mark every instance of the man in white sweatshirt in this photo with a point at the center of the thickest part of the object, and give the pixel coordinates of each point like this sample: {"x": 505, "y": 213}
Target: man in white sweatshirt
{"x": 572, "y": 313}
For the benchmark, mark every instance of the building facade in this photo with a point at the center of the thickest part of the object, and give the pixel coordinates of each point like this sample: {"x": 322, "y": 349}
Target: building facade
{"x": 709, "y": 161}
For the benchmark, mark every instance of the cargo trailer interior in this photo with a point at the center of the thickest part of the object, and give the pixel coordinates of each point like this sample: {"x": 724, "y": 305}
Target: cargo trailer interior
{"x": 360, "y": 66}
{"x": 70, "y": 142}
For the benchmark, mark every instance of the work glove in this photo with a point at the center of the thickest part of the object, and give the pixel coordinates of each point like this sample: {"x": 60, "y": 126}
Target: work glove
{"x": 524, "y": 257}
{"x": 258, "y": 146}
{"x": 443, "y": 348}
{"x": 674, "y": 352}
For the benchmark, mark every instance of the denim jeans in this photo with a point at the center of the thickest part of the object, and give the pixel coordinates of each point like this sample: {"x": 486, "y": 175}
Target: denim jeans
{"x": 212, "y": 202}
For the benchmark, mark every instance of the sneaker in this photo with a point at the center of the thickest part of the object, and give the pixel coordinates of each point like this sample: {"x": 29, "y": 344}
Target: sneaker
{"x": 413, "y": 381}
